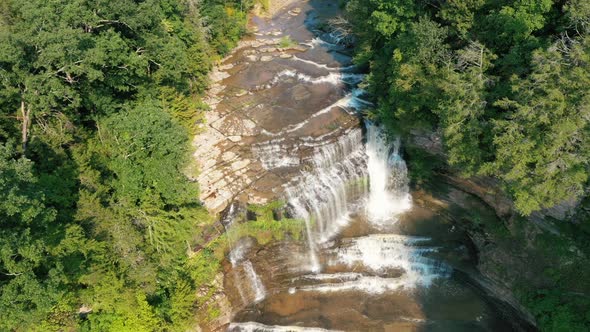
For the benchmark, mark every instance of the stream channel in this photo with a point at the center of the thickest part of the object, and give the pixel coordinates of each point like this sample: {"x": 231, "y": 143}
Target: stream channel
{"x": 286, "y": 124}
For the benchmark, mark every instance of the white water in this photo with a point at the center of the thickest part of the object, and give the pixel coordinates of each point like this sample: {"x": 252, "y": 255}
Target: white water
{"x": 257, "y": 327}
{"x": 323, "y": 66}
{"x": 350, "y": 103}
{"x": 317, "y": 41}
{"x": 248, "y": 280}
{"x": 321, "y": 196}
{"x": 382, "y": 253}
{"x": 255, "y": 282}
{"x": 388, "y": 175}
{"x": 332, "y": 189}
{"x": 275, "y": 154}
{"x": 334, "y": 78}
{"x": 366, "y": 284}
{"x": 358, "y": 174}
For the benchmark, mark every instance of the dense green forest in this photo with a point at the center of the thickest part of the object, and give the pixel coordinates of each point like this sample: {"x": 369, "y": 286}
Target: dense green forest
{"x": 507, "y": 84}
{"x": 98, "y": 101}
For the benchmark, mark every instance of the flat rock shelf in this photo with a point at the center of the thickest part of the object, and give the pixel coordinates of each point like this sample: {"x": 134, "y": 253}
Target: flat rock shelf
{"x": 286, "y": 123}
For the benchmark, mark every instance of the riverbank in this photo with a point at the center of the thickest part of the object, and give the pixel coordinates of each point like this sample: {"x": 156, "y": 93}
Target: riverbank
{"x": 500, "y": 116}
{"x": 530, "y": 262}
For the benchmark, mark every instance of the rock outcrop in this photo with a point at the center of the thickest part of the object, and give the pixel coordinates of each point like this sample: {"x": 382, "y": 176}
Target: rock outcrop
{"x": 269, "y": 105}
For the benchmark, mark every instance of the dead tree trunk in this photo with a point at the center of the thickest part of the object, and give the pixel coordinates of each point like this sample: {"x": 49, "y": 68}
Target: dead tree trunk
{"x": 26, "y": 121}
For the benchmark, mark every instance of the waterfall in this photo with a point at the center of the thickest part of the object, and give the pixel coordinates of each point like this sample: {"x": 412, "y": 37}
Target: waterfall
{"x": 388, "y": 175}
{"x": 322, "y": 193}
{"x": 383, "y": 253}
{"x": 247, "y": 282}
{"x": 338, "y": 174}
{"x": 255, "y": 282}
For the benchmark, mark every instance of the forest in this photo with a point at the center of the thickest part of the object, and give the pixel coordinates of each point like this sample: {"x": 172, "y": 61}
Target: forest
{"x": 507, "y": 85}
{"x": 506, "y": 82}
{"x": 99, "y": 102}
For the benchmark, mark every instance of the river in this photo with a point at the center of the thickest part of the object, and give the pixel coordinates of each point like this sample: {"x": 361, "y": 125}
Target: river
{"x": 286, "y": 124}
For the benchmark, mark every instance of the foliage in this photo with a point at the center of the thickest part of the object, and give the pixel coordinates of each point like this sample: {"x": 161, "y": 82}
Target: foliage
{"x": 559, "y": 313}
{"x": 542, "y": 149}
{"x": 97, "y": 104}
{"x": 286, "y": 41}
{"x": 505, "y": 82}
{"x": 206, "y": 263}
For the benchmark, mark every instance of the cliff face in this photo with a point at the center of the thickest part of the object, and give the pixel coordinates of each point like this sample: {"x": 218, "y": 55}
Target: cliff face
{"x": 516, "y": 255}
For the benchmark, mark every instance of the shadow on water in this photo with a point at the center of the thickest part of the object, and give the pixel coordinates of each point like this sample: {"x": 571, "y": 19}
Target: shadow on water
{"x": 456, "y": 303}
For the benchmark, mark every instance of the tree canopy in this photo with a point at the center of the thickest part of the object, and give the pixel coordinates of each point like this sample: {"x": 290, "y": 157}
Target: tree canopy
{"x": 505, "y": 81}
{"x": 98, "y": 101}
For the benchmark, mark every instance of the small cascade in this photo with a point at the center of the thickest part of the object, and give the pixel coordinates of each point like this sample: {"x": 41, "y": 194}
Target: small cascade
{"x": 319, "y": 42}
{"x": 237, "y": 255}
{"x": 258, "y": 327}
{"x": 334, "y": 78}
{"x": 321, "y": 195}
{"x": 348, "y": 102}
{"x": 389, "y": 262}
{"x": 346, "y": 282}
{"x": 384, "y": 253}
{"x": 323, "y": 66}
{"x": 255, "y": 282}
{"x": 247, "y": 282}
{"x": 276, "y": 154}
{"x": 390, "y": 193}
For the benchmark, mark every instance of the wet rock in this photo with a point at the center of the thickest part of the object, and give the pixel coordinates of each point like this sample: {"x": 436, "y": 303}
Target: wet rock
{"x": 285, "y": 56}
{"x": 300, "y": 92}
{"x": 277, "y": 214}
{"x": 252, "y": 58}
{"x": 226, "y": 67}
{"x": 487, "y": 189}
{"x": 300, "y": 48}
{"x": 251, "y": 215}
{"x": 266, "y": 58}
{"x": 295, "y": 11}
{"x": 217, "y": 75}
{"x": 241, "y": 93}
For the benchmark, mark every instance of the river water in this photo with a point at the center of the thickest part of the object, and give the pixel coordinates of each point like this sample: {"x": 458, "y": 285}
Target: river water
{"x": 371, "y": 259}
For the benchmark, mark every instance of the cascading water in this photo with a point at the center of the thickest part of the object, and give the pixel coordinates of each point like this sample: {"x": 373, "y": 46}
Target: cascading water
{"x": 255, "y": 282}
{"x": 343, "y": 175}
{"x": 322, "y": 194}
{"x": 388, "y": 175}
{"x": 245, "y": 278}
{"x": 366, "y": 264}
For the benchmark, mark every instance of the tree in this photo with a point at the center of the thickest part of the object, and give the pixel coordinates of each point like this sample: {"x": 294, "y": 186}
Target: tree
{"x": 34, "y": 249}
{"x": 542, "y": 150}
{"x": 462, "y": 109}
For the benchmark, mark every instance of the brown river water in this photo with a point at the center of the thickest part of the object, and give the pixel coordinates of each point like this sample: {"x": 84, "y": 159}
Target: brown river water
{"x": 286, "y": 124}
